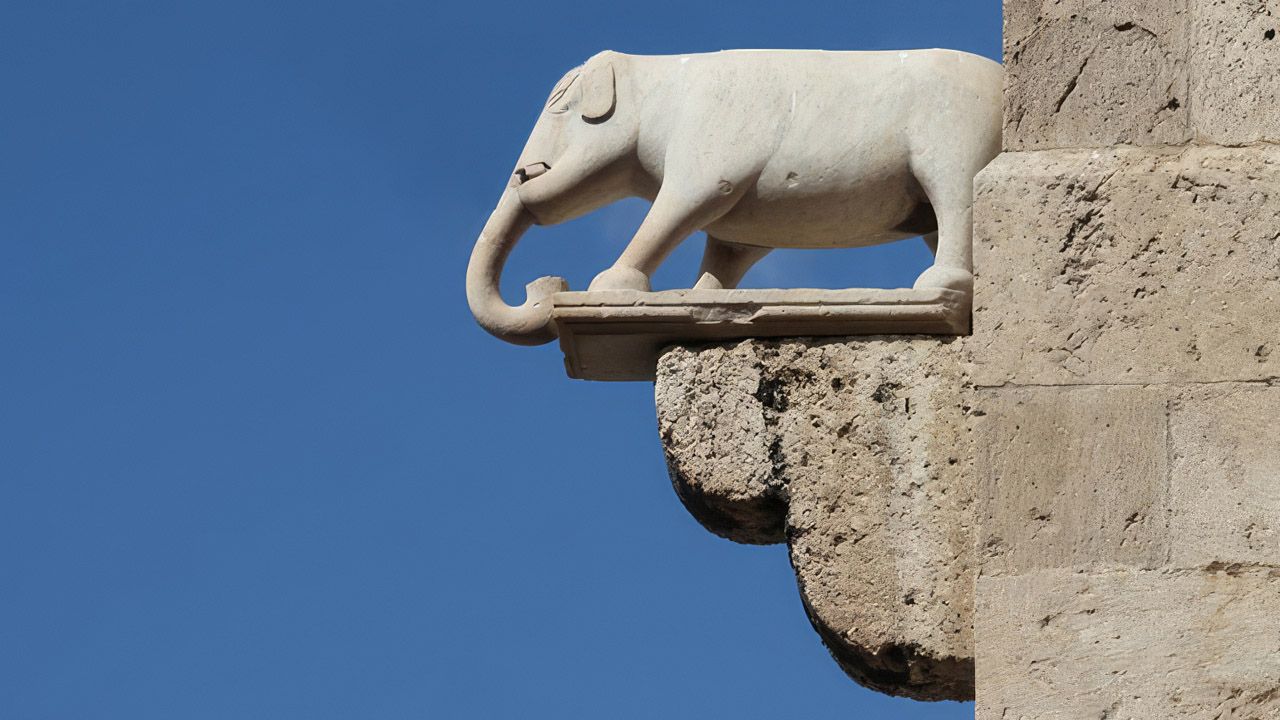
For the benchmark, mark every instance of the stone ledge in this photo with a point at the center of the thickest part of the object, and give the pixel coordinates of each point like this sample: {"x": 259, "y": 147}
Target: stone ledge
{"x": 619, "y": 334}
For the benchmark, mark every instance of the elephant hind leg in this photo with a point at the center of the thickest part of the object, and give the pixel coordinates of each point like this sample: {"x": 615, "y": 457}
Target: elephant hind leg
{"x": 951, "y": 194}
{"x": 931, "y": 240}
{"x": 725, "y": 263}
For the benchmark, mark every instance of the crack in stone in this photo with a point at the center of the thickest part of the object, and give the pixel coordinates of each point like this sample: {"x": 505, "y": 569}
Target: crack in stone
{"x": 1127, "y": 26}
{"x": 1071, "y": 87}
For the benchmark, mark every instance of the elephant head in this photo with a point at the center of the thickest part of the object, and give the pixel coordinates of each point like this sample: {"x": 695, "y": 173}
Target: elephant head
{"x": 576, "y": 160}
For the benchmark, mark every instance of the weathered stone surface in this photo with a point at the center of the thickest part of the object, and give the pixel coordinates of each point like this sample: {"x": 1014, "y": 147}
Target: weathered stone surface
{"x": 1225, "y": 484}
{"x": 1126, "y": 311}
{"x": 1088, "y": 73}
{"x": 719, "y": 444}
{"x": 862, "y": 450}
{"x": 1095, "y": 73}
{"x": 1235, "y": 88}
{"x": 1071, "y": 478}
{"x": 1146, "y": 645}
{"x": 1128, "y": 266}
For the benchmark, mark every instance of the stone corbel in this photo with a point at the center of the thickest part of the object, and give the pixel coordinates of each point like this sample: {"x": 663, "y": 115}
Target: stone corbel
{"x": 858, "y": 454}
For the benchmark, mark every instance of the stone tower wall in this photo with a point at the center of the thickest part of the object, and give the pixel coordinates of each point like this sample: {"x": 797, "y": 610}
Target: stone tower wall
{"x": 1126, "y": 329}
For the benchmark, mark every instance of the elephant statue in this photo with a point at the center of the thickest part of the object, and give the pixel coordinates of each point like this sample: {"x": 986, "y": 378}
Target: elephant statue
{"x": 761, "y": 149}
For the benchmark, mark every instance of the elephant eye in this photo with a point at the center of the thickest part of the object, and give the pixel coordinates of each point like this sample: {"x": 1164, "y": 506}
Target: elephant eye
{"x": 559, "y": 100}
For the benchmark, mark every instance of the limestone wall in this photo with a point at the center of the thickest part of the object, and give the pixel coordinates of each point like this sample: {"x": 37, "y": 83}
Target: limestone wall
{"x": 1126, "y": 320}
{"x": 1098, "y": 73}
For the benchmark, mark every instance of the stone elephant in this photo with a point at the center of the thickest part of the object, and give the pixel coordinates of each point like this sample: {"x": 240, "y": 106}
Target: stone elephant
{"x": 761, "y": 149}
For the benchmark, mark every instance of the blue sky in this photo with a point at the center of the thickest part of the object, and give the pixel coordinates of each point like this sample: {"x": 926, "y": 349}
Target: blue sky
{"x": 256, "y": 459}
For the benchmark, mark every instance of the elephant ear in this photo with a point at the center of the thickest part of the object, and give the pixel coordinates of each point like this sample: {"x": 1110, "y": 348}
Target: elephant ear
{"x": 599, "y": 89}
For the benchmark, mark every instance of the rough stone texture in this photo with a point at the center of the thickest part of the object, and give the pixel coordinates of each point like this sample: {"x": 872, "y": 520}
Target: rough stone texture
{"x": 1225, "y": 484}
{"x": 1126, "y": 315}
{"x": 858, "y": 452}
{"x": 1072, "y": 73}
{"x": 1235, "y": 88}
{"x": 1061, "y": 645}
{"x": 719, "y": 444}
{"x": 1094, "y": 73}
{"x": 1128, "y": 266}
{"x": 1072, "y": 478}
{"x": 1129, "y": 559}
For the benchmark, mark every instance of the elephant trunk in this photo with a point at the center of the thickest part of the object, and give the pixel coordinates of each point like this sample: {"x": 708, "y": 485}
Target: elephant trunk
{"x": 530, "y": 323}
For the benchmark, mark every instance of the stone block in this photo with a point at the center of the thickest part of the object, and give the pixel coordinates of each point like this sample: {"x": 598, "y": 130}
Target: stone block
{"x": 1088, "y": 73}
{"x": 1128, "y": 266}
{"x": 1129, "y": 645}
{"x": 859, "y": 452}
{"x": 1235, "y": 88}
{"x": 1095, "y": 73}
{"x": 1071, "y": 478}
{"x": 1225, "y": 482}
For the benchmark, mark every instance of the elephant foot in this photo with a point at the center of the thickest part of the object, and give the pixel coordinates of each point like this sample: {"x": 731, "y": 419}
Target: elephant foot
{"x": 708, "y": 282}
{"x": 947, "y": 278}
{"x": 620, "y": 278}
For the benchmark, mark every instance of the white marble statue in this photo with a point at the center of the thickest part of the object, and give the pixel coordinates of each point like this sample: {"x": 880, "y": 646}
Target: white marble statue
{"x": 761, "y": 149}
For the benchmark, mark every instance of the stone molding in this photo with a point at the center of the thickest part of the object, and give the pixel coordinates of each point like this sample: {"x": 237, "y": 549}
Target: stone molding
{"x": 619, "y": 334}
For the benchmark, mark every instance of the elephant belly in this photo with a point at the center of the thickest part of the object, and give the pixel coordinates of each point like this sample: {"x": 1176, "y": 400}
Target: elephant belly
{"x": 787, "y": 214}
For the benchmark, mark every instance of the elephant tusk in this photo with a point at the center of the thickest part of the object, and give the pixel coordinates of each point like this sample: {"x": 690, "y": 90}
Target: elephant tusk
{"x": 529, "y": 172}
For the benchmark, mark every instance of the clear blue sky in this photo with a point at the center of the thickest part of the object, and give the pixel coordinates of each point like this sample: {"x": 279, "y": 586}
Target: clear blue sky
{"x": 257, "y": 461}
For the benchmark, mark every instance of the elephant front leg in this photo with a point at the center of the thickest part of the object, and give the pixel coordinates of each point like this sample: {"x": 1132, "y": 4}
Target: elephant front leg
{"x": 676, "y": 214}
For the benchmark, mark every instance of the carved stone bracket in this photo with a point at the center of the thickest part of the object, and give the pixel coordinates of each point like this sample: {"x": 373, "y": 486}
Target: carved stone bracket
{"x": 858, "y": 454}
